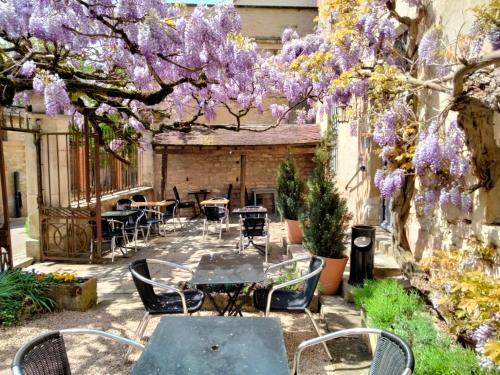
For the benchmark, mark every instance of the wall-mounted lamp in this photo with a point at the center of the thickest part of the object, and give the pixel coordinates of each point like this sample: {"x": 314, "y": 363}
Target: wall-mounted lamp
{"x": 38, "y": 122}
{"x": 343, "y": 113}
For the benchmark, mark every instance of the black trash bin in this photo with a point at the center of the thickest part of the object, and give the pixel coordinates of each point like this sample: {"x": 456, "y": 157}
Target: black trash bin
{"x": 362, "y": 249}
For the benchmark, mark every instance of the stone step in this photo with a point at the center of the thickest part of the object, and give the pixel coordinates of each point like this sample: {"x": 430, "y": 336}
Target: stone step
{"x": 23, "y": 262}
{"x": 339, "y": 314}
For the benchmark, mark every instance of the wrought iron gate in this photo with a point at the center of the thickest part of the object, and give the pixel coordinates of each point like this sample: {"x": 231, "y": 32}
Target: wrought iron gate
{"x": 69, "y": 196}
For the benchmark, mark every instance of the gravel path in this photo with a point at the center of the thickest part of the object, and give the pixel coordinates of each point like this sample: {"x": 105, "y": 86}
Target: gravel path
{"x": 119, "y": 309}
{"x": 91, "y": 355}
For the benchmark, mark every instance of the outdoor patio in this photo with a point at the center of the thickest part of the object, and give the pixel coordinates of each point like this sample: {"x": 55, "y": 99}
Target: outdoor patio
{"x": 119, "y": 308}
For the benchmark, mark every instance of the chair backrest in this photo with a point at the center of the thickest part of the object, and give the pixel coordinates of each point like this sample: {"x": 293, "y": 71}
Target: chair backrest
{"x": 123, "y": 204}
{"x": 392, "y": 356}
{"x": 169, "y": 210}
{"x": 229, "y": 191}
{"x": 311, "y": 283}
{"x": 106, "y": 229}
{"x": 212, "y": 213}
{"x": 176, "y": 193}
{"x": 139, "y": 198}
{"x": 253, "y": 226}
{"x": 145, "y": 290}
{"x": 45, "y": 355}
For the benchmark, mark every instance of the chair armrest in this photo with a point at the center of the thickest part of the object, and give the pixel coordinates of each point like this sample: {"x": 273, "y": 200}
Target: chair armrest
{"x": 163, "y": 286}
{"x": 330, "y": 336}
{"x": 287, "y": 262}
{"x": 288, "y": 283}
{"x": 171, "y": 265}
{"x": 105, "y": 334}
{"x": 154, "y": 212}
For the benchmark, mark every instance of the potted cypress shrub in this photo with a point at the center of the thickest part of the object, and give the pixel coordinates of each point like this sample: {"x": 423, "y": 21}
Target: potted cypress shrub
{"x": 289, "y": 199}
{"x": 326, "y": 221}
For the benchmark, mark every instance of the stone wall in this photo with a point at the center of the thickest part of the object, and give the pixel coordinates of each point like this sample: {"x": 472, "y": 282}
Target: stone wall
{"x": 215, "y": 172}
{"x": 444, "y": 228}
{"x": 14, "y": 153}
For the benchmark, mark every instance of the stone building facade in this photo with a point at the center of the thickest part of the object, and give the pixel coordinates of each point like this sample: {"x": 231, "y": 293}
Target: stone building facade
{"x": 444, "y": 228}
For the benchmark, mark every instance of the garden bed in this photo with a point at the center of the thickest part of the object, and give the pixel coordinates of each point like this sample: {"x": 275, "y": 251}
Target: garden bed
{"x": 390, "y": 307}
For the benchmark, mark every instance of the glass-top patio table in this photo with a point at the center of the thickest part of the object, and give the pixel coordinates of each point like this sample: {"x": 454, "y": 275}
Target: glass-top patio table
{"x": 229, "y": 273}
{"x": 182, "y": 345}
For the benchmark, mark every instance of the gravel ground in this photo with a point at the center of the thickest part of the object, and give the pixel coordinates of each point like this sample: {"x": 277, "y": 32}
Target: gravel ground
{"x": 91, "y": 355}
{"x": 119, "y": 310}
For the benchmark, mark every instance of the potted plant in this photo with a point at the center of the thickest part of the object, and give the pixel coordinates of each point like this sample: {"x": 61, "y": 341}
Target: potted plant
{"x": 289, "y": 197}
{"x": 326, "y": 221}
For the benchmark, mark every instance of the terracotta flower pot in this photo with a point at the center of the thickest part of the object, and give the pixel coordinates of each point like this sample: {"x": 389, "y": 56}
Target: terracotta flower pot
{"x": 331, "y": 277}
{"x": 293, "y": 231}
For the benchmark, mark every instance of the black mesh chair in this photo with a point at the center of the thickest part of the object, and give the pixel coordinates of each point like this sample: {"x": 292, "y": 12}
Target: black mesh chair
{"x": 228, "y": 195}
{"x": 392, "y": 356}
{"x": 46, "y": 354}
{"x": 112, "y": 237}
{"x": 187, "y": 204}
{"x": 274, "y": 298}
{"x": 171, "y": 212}
{"x": 173, "y": 301}
{"x": 135, "y": 224}
{"x": 152, "y": 219}
{"x": 139, "y": 198}
{"x": 123, "y": 204}
{"x": 215, "y": 214}
{"x": 251, "y": 227}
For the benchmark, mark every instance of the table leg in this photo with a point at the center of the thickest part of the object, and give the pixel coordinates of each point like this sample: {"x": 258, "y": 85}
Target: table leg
{"x": 233, "y": 300}
{"x": 212, "y": 300}
{"x": 237, "y": 308}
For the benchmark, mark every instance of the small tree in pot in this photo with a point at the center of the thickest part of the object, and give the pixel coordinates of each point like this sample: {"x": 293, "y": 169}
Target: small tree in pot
{"x": 326, "y": 221}
{"x": 289, "y": 200}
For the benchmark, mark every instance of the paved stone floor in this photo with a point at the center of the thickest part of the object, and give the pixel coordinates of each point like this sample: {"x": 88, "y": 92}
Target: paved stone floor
{"x": 119, "y": 308}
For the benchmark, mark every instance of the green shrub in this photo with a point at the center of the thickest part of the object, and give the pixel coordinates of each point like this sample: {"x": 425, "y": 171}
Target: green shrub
{"x": 21, "y": 294}
{"x": 326, "y": 214}
{"x": 289, "y": 189}
{"x": 386, "y": 301}
{"x": 439, "y": 360}
{"x": 390, "y": 307}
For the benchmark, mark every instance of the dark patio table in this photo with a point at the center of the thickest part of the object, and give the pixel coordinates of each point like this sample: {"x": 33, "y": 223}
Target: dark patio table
{"x": 182, "y": 345}
{"x": 250, "y": 210}
{"x": 197, "y": 193}
{"x": 118, "y": 215}
{"x": 229, "y": 273}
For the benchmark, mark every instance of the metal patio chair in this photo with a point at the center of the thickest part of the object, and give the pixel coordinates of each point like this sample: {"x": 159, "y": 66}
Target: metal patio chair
{"x": 228, "y": 195}
{"x": 215, "y": 214}
{"x": 181, "y": 204}
{"x": 393, "y": 356}
{"x": 174, "y": 301}
{"x": 47, "y": 355}
{"x": 139, "y": 198}
{"x": 123, "y": 204}
{"x": 111, "y": 231}
{"x": 135, "y": 224}
{"x": 152, "y": 218}
{"x": 171, "y": 212}
{"x": 274, "y": 298}
{"x": 252, "y": 227}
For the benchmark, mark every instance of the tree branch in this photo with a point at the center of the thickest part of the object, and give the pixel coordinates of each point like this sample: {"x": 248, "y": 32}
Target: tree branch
{"x": 471, "y": 67}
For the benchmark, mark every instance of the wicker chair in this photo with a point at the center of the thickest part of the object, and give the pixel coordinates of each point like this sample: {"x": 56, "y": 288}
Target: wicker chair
{"x": 46, "y": 354}
{"x": 393, "y": 356}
